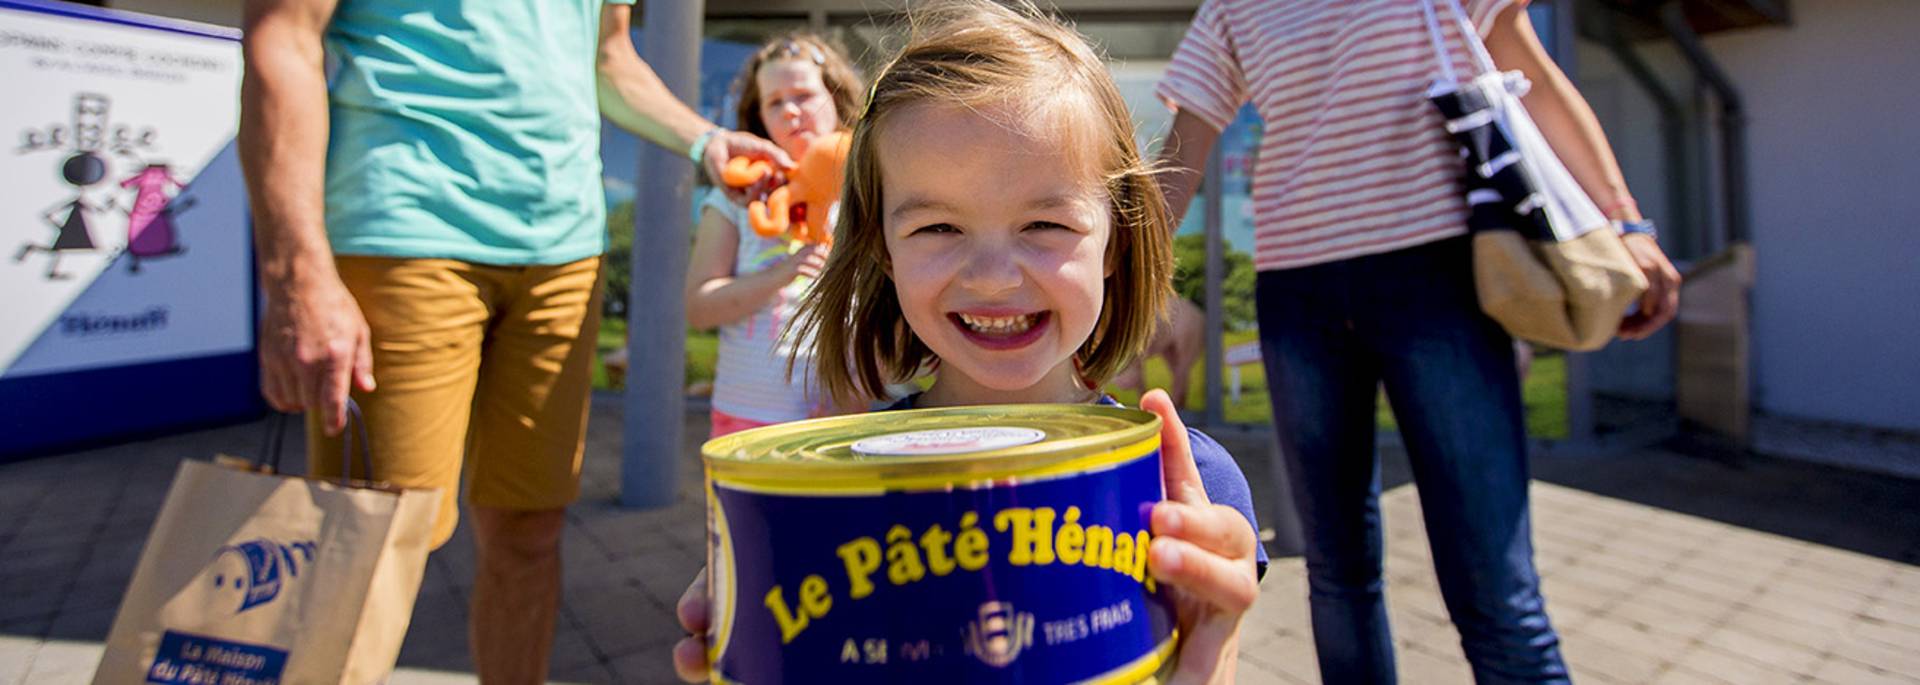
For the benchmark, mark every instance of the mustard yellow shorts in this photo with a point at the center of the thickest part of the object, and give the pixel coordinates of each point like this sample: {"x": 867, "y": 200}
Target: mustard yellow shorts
{"x": 486, "y": 366}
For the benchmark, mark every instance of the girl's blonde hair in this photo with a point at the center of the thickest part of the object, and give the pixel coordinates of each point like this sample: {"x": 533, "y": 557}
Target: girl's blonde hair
{"x": 979, "y": 54}
{"x": 836, "y": 72}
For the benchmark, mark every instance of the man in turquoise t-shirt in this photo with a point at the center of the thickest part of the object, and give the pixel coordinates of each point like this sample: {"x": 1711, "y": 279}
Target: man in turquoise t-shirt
{"x": 429, "y": 228}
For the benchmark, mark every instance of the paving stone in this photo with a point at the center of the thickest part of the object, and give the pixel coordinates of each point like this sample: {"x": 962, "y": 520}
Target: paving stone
{"x": 83, "y": 625}
{"x": 1827, "y": 561}
{"x": 1591, "y": 657}
{"x": 646, "y": 667}
{"x": 1777, "y": 654}
{"x": 572, "y": 650}
{"x": 1250, "y": 669}
{"x": 1877, "y": 655}
{"x": 620, "y": 618}
{"x": 662, "y": 575}
{"x": 1837, "y": 582}
{"x": 1712, "y": 588}
{"x": 1844, "y": 672}
{"x": 1802, "y": 591}
{"x": 1563, "y": 591}
{"x": 59, "y": 662}
{"x": 1735, "y": 670}
{"x": 1805, "y": 634}
{"x": 1419, "y": 666}
{"x": 16, "y": 654}
{"x": 1293, "y": 660}
{"x": 43, "y": 600}
{"x": 589, "y": 674}
{"x": 1654, "y": 615}
{"x": 33, "y": 628}
{"x": 437, "y": 633}
{"x": 1894, "y": 614}
{"x": 1609, "y": 583}
{"x": 1680, "y": 675}
{"x": 1890, "y": 635}
{"x": 1632, "y": 637}
{"x": 1683, "y": 601}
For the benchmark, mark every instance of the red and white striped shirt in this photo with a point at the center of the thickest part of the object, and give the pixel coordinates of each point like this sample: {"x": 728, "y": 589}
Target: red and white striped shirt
{"x": 1354, "y": 160}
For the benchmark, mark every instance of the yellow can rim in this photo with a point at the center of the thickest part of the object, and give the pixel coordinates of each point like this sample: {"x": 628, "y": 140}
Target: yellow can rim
{"x": 818, "y": 453}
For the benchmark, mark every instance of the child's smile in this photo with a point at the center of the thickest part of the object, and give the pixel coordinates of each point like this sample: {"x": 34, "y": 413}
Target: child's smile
{"x": 1001, "y": 332}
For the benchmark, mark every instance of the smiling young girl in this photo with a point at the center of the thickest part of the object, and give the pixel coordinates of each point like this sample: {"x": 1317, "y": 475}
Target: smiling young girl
{"x": 999, "y": 226}
{"x": 794, "y": 90}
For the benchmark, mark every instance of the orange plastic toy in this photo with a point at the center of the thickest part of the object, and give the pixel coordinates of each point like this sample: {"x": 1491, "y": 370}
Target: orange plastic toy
{"x": 798, "y": 208}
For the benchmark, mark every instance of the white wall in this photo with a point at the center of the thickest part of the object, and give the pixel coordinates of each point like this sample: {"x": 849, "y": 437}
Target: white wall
{"x": 1835, "y": 190}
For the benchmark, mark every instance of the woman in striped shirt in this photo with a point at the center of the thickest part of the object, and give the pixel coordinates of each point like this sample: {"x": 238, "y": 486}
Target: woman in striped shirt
{"x": 1365, "y": 278}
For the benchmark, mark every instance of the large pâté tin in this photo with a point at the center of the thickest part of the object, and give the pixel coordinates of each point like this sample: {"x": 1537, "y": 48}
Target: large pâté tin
{"x": 978, "y": 544}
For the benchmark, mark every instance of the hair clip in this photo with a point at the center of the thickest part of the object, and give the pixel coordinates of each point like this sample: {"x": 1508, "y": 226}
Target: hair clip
{"x": 791, "y": 48}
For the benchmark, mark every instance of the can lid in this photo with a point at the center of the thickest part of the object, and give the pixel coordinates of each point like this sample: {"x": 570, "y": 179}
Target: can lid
{"x": 956, "y": 443}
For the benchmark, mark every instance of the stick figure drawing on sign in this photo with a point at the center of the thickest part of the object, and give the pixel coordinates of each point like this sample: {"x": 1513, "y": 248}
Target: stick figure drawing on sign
{"x": 84, "y": 167}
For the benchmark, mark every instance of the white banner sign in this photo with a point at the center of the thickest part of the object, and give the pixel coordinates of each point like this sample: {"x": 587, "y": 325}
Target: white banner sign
{"x": 123, "y": 232}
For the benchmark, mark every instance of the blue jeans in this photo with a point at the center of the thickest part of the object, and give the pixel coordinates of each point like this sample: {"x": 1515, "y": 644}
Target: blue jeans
{"x": 1331, "y": 334}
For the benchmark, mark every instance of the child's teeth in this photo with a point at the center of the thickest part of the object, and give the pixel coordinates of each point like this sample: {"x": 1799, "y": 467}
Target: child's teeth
{"x": 998, "y": 324}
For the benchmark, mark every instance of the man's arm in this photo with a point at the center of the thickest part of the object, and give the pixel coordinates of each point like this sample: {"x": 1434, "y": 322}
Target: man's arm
{"x": 313, "y": 340}
{"x": 1183, "y": 162}
{"x": 1570, "y": 127}
{"x": 634, "y": 98}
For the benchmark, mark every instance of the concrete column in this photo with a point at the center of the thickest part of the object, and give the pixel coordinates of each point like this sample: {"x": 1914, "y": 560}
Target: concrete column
{"x": 656, "y": 316}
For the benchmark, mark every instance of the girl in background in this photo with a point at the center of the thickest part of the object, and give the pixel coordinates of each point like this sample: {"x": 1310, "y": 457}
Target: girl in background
{"x": 794, "y": 90}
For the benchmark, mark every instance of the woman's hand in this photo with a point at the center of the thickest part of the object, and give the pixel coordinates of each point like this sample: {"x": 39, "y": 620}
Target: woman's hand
{"x": 1204, "y": 553}
{"x": 1662, "y": 299}
{"x": 690, "y": 653}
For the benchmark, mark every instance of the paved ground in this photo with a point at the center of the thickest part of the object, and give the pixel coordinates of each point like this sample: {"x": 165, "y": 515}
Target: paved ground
{"x": 1658, "y": 568}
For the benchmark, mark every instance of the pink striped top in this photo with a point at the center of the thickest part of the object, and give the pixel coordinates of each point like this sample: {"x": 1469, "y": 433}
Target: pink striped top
{"x": 1353, "y": 160}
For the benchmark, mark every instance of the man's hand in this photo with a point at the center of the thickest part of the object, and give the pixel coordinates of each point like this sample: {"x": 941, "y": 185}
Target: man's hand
{"x": 1204, "y": 553}
{"x": 1662, "y": 299}
{"x": 726, "y": 145}
{"x": 313, "y": 343}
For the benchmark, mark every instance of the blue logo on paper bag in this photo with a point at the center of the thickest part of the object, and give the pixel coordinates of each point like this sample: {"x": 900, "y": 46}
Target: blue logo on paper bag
{"x": 187, "y": 659}
{"x": 255, "y": 570}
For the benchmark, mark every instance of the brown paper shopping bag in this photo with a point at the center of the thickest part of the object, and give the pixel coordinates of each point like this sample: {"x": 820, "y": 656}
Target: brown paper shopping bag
{"x": 255, "y": 578}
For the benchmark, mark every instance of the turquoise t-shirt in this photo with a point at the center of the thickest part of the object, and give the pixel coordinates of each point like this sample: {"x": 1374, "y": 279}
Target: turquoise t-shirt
{"x": 466, "y": 130}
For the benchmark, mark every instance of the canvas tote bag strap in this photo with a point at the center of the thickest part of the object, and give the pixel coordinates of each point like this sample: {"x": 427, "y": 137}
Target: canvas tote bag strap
{"x": 1482, "y": 60}
{"x": 276, "y": 438}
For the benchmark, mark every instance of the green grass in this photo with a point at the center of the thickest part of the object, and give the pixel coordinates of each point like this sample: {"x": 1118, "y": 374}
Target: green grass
{"x": 1545, "y": 391}
{"x": 702, "y": 349}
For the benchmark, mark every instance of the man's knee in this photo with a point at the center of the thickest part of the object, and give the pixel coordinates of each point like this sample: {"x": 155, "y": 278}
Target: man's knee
{"x": 519, "y": 534}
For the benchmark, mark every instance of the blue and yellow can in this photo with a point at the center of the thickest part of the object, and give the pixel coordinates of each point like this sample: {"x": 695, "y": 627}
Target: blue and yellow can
{"x": 976, "y": 544}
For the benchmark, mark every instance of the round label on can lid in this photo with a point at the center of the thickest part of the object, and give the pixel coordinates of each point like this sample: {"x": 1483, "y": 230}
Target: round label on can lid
{"x": 948, "y": 441}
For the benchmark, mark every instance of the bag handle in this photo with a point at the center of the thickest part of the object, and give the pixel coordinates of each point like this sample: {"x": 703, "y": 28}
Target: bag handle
{"x": 1482, "y": 59}
{"x": 270, "y": 453}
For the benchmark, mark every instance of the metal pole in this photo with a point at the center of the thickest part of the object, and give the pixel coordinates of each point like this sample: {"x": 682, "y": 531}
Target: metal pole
{"x": 650, "y": 453}
{"x": 1215, "y": 273}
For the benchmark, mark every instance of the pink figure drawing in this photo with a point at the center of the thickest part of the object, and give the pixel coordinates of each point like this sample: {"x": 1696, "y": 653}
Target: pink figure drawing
{"x": 150, "y": 229}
